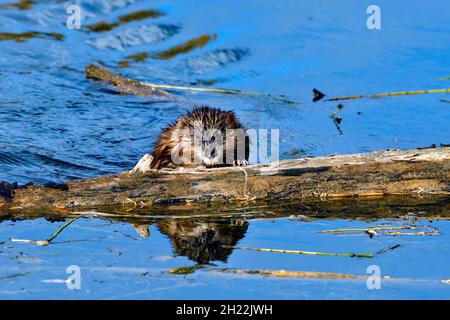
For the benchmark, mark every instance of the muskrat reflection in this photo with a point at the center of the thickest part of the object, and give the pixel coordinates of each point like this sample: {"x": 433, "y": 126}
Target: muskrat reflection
{"x": 203, "y": 241}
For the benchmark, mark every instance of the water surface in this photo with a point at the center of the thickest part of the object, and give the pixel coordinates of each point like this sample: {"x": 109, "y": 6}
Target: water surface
{"x": 57, "y": 125}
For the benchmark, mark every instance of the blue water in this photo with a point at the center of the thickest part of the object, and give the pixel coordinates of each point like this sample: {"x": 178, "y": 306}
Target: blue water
{"x": 116, "y": 263}
{"x": 56, "y": 125}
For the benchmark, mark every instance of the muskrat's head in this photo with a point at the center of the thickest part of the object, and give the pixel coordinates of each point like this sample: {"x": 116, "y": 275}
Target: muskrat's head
{"x": 210, "y": 137}
{"x": 208, "y": 146}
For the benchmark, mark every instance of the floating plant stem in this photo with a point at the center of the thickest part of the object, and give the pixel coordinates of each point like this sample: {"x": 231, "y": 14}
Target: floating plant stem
{"x": 222, "y": 91}
{"x": 53, "y": 236}
{"x": 355, "y": 255}
{"x": 231, "y": 214}
{"x": 390, "y": 248}
{"x": 290, "y": 274}
{"x": 186, "y": 270}
{"x": 391, "y": 231}
{"x": 390, "y": 94}
{"x": 213, "y": 90}
{"x": 65, "y": 225}
{"x": 365, "y": 229}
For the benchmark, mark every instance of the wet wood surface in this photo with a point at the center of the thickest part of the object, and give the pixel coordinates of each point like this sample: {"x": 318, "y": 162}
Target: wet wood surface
{"x": 416, "y": 173}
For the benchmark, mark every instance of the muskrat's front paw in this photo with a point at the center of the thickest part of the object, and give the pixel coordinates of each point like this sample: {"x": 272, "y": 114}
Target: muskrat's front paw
{"x": 240, "y": 163}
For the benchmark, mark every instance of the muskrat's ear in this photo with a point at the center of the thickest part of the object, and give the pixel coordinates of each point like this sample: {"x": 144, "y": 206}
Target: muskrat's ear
{"x": 230, "y": 116}
{"x": 232, "y": 120}
{"x": 181, "y": 122}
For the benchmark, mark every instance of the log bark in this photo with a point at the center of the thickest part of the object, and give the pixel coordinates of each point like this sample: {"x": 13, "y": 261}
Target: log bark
{"x": 413, "y": 173}
{"x": 123, "y": 85}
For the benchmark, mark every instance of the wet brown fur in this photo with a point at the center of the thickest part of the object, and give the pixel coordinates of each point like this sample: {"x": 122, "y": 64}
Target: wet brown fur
{"x": 205, "y": 117}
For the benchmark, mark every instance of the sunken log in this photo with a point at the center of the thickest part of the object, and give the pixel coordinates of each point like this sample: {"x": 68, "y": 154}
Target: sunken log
{"x": 121, "y": 84}
{"x": 414, "y": 173}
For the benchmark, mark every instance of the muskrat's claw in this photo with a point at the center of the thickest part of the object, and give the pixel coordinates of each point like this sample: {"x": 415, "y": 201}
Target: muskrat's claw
{"x": 240, "y": 163}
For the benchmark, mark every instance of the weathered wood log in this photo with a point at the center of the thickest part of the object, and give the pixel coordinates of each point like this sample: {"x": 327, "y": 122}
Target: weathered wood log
{"x": 377, "y": 174}
{"x": 123, "y": 85}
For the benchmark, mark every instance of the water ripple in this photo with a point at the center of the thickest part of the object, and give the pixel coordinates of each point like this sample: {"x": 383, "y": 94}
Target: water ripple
{"x": 137, "y": 36}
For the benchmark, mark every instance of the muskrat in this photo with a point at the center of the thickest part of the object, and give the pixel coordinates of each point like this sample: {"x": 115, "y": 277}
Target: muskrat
{"x": 205, "y": 136}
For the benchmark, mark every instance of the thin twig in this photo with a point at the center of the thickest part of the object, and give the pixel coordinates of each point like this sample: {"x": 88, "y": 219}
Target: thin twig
{"x": 290, "y": 274}
{"x": 389, "y": 94}
{"x": 356, "y": 255}
{"x": 68, "y": 223}
{"x": 367, "y": 229}
{"x": 214, "y": 90}
{"x": 246, "y": 197}
{"x": 222, "y": 91}
{"x": 419, "y": 233}
{"x": 390, "y": 248}
{"x": 53, "y": 236}
{"x": 176, "y": 217}
{"x": 390, "y": 231}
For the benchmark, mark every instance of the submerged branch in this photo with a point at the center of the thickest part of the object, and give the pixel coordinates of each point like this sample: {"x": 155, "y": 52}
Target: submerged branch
{"x": 122, "y": 84}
